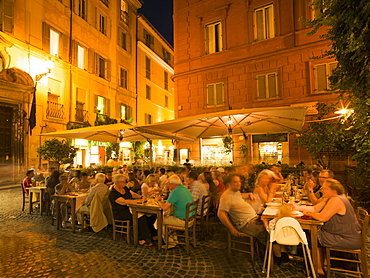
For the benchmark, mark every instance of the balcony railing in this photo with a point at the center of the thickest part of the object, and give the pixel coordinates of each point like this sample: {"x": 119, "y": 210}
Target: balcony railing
{"x": 54, "y": 110}
{"x": 124, "y": 17}
{"x": 81, "y": 115}
{"x": 104, "y": 120}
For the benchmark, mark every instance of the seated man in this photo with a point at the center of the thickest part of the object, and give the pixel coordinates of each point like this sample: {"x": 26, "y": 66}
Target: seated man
{"x": 84, "y": 182}
{"x": 99, "y": 187}
{"x": 237, "y": 214}
{"x": 179, "y": 197}
{"x": 62, "y": 188}
{"x": 198, "y": 189}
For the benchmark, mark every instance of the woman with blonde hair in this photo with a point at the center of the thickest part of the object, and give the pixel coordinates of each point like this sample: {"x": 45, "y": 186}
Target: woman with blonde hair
{"x": 150, "y": 186}
{"x": 264, "y": 190}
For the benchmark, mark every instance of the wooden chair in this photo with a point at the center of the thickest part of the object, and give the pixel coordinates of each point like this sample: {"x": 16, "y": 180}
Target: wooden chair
{"x": 24, "y": 196}
{"x": 189, "y": 230}
{"x": 119, "y": 226}
{"x": 204, "y": 218}
{"x": 237, "y": 244}
{"x": 361, "y": 260}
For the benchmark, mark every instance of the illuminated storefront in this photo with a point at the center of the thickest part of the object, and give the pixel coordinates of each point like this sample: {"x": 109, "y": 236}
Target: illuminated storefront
{"x": 213, "y": 152}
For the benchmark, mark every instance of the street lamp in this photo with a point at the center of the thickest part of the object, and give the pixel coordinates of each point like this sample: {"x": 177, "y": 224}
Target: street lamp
{"x": 49, "y": 65}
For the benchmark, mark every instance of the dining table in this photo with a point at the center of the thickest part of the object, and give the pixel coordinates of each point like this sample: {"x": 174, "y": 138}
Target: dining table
{"x": 41, "y": 191}
{"x": 146, "y": 209}
{"x": 311, "y": 225}
{"x": 76, "y": 200}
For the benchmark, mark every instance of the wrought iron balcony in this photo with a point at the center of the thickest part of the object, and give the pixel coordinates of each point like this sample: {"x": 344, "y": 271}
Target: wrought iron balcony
{"x": 81, "y": 115}
{"x": 54, "y": 110}
{"x": 124, "y": 17}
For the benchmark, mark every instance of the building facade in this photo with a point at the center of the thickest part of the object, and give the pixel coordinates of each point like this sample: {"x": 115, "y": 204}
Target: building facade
{"x": 155, "y": 87}
{"x": 244, "y": 54}
{"x": 81, "y": 60}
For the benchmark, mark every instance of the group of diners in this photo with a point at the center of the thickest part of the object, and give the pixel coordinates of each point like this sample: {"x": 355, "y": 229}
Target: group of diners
{"x": 239, "y": 212}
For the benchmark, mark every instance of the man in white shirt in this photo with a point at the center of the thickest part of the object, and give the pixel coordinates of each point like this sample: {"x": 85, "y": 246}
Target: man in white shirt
{"x": 162, "y": 178}
{"x": 237, "y": 214}
{"x": 100, "y": 187}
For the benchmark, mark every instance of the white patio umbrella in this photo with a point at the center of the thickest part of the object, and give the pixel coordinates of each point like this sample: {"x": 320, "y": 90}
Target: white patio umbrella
{"x": 241, "y": 121}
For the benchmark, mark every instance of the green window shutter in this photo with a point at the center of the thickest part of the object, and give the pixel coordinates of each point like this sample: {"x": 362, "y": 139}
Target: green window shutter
{"x": 261, "y": 86}
{"x": 211, "y": 101}
{"x": 107, "y": 69}
{"x": 271, "y": 79}
{"x": 107, "y": 107}
{"x": 91, "y": 61}
{"x": 219, "y": 93}
{"x": 321, "y": 78}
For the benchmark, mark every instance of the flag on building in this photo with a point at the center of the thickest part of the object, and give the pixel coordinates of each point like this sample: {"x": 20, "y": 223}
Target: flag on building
{"x": 32, "y": 118}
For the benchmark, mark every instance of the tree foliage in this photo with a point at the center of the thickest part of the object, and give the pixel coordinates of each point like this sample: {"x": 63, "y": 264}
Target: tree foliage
{"x": 348, "y": 29}
{"x": 112, "y": 148}
{"x": 55, "y": 150}
{"x": 137, "y": 148}
{"x": 327, "y": 137}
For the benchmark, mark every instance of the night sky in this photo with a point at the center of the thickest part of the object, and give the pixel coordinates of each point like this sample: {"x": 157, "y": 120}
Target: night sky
{"x": 159, "y": 13}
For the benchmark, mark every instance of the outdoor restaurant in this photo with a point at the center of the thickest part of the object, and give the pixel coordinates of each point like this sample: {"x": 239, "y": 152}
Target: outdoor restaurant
{"x": 272, "y": 211}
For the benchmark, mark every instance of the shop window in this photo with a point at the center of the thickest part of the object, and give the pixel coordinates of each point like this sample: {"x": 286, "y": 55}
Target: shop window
{"x": 267, "y": 86}
{"x": 215, "y": 94}
{"x": 213, "y": 152}
{"x": 270, "y": 152}
{"x": 322, "y": 74}
{"x": 264, "y": 23}
{"x": 7, "y": 16}
{"x": 147, "y": 67}
{"x": 213, "y": 34}
{"x": 123, "y": 78}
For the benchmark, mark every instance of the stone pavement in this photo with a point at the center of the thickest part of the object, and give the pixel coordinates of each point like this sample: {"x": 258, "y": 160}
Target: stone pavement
{"x": 31, "y": 247}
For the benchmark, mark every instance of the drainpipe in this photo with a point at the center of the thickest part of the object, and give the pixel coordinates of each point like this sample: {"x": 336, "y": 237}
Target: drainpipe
{"x": 70, "y": 60}
{"x": 136, "y": 72}
{"x": 294, "y": 24}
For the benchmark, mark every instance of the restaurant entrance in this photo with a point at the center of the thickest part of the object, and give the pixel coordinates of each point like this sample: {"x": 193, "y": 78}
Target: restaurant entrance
{"x": 6, "y": 120}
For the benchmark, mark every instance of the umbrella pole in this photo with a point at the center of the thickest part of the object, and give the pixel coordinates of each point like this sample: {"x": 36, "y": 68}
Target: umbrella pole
{"x": 150, "y": 153}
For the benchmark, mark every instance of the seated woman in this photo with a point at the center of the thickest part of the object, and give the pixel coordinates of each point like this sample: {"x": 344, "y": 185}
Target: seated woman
{"x": 136, "y": 185}
{"x": 120, "y": 196}
{"x": 264, "y": 190}
{"x": 150, "y": 186}
{"x": 341, "y": 228}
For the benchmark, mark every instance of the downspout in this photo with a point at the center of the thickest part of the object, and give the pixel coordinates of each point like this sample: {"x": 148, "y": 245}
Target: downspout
{"x": 136, "y": 72}
{"x": 294, "y": 24}
{"x": 70, "y": 60}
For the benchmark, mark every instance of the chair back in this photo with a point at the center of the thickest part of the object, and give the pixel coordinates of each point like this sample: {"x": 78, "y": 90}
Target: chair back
{"x": 363, "y": 218}
{"x": 205, "y": 205}
{"x": 288, "y": 231}
{"x": 191, "y": 213}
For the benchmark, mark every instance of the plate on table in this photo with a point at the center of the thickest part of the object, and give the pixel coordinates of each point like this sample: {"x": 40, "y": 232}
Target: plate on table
{"x": 271, "y": 204}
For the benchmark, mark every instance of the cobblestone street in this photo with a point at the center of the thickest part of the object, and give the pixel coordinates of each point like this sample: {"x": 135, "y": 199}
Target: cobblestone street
{"x": 31, "y": 247}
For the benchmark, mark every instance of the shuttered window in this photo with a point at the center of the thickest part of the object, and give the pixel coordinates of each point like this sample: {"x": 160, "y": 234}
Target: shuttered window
{"x": 264, "y": 23}
{"x": 148, "y": 119}
{"x": 123, "y": 78}
{"x": 148, "y": 39}
{"x": 126, "y": 112}
{"x": 215, "y": 94}
{"x": 147, "y": 67}
{"x": 54, "y": 43}
{"x": 165, "y": 80}
{"x": 7, "y": 15}
{"x": 148, "y": 92}
{"x": 213, "y": 37}
{"x": 322, "y": 74}
{"x": 102, "y": 67}
{"x": 267, "y": 86}
{"x": 165, "y": 101}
